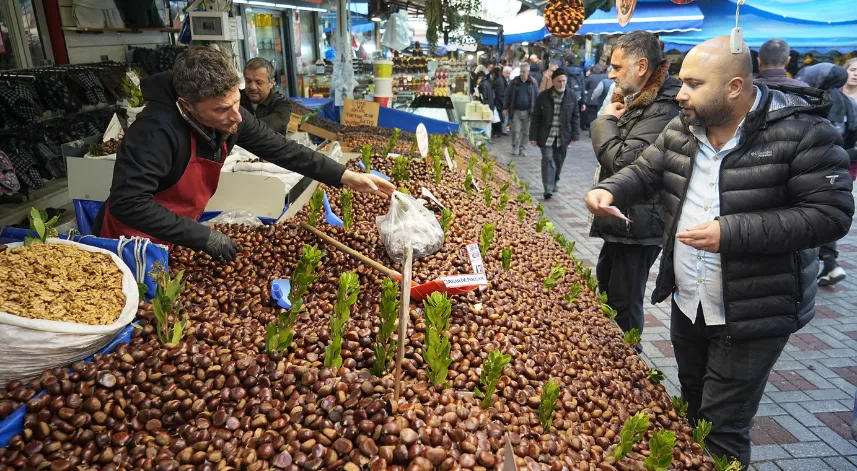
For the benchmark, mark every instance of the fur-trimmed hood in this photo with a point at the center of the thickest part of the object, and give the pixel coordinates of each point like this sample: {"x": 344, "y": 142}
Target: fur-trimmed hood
{"x": 654, "y": 87}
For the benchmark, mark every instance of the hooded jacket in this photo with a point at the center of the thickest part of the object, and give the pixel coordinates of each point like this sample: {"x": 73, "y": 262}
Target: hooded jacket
{"x": 156, "y": 150}
{"x": 618, "y": 143}
{"x": 784, "y": 190}
{"x": 275, "y": 110}
{"x": 843, "y": 110}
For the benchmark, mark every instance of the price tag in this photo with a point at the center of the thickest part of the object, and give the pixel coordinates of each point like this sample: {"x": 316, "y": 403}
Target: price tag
{"x": 457, "y": 281}
{"x": 475, "y": 185}
{"x": 393, "y": 156}
{"x": 422, "y": 139}
{"x": 475, "y": 257}
{"x": 448, "y": 160}
{"x": 133, "y": 76}
{"x": 509, "y": 457}
{"x": 428, "y": 194}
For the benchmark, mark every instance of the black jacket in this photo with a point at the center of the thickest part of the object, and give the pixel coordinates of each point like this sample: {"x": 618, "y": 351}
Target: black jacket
{"x": 542, "y": 118}
{"x": 618, "y": 143}
{"x": 500, "y": 92}
{"x": 275, "y": 111}
{"x": 784, "y": 190}
{"x": 777, "y": 77}
{"x": 517, "y": 86}
{"x": 591, "y": 84}
{"x": 486, "y": 92}
{"x": 156, "y": 150}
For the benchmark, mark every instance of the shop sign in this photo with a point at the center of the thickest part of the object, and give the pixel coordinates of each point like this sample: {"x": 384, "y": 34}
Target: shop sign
{"x": 360, "y": 113}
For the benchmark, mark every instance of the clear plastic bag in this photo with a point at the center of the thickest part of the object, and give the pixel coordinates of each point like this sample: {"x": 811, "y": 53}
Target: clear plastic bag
{"x": 334, "y": 151}
{"x": 397, "y": 32}
{"x": 409, "y": 219}
{"x": 235, "y": 217}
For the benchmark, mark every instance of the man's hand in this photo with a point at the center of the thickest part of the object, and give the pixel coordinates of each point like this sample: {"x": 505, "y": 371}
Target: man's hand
{"x": 220, "y": 247}
{"x": 534, "y": 143}
{"x": 616, "y": 110}
{"x": 705, "y": 236}
{"x": 583, "y": 107}
{"x": 505, "y": 113}
{"x": 367, "y": 183}
{"x": 597, "y": 202}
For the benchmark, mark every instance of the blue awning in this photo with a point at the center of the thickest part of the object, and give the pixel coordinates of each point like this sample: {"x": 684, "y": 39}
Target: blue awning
{"x": 359, "y": 24}
{"x": 819, "y": 11}
{"x": 656, "y": 17}
{"x": 759, "y": 26}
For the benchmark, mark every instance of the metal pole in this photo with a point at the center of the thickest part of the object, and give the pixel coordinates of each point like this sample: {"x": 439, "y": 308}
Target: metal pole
{"x": 404, "y": 317}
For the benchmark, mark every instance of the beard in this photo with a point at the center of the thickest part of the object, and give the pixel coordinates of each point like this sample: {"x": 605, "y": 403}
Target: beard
{"x": 715, "y": 113}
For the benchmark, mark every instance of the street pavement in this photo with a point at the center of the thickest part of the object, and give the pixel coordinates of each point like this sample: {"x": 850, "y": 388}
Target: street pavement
{"x": 803, "y": 423}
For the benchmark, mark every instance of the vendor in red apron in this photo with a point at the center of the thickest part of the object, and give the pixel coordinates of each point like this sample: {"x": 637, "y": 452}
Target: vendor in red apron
{"x": 169, "y": 162}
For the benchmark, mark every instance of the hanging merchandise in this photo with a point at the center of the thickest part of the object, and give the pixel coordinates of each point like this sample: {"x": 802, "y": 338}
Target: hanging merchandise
{"x": 141, "y": 13}
{"x": 396, "y": 34}
{"x": 97, "y": 14}
{"x": 564, "y": 17}
{"x": 343, "y": 83}
{"x": 624, "y": 11}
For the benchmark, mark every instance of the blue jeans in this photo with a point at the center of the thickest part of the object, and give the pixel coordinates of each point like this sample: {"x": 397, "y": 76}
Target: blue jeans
{"x": 553, "y": 156}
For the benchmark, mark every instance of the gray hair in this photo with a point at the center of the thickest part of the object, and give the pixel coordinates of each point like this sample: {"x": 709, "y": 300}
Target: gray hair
{"x": 259, "y": 63}
{"x": 642, "y": 45}
{"x": 774, "y": 53}
{"x": 525, "y": 65}
{"x": 200, "y": 73}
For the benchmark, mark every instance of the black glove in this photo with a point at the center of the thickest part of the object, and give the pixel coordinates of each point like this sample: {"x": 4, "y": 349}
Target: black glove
{"x": 220, "y": 246}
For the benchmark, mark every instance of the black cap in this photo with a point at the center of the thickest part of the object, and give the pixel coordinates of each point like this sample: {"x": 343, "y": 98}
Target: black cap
{"x": 559, "y": 72}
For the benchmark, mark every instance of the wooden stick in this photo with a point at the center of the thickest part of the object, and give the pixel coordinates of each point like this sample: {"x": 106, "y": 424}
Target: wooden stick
{"x": 359, "y": 256}
{"x": 404, "y": 317}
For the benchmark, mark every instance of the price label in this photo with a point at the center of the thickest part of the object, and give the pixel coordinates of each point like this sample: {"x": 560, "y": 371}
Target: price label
{"x": 360, "y": 113}
{"x": 448, "y": 160}
{"x": 475, "y": 185}
{"x": 133, "y": 76}
{"x": 422, "y": 139}
{"x": 428, "y": 194}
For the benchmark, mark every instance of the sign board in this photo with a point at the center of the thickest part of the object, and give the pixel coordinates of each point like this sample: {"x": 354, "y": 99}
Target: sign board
{"x": 360, "y": 113}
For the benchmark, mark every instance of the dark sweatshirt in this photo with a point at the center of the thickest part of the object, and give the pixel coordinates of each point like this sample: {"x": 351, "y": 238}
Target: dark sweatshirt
{"x": 156, "y": 150}
{"x": 275, "y": 111}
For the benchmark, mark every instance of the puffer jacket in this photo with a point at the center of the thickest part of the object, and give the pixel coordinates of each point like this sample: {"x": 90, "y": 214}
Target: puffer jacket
{"x": 618, "y": 142}
{"x": 784, "y": 190}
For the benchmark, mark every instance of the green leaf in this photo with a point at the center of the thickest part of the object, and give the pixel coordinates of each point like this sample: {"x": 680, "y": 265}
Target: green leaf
{"x": 142, "y": 289}
{"x": 701, "y": 431}
{"x": 486, "y": 236}
{"x": 272, "y": 340}
{"x": 507, "y": 258}
{"x": 633, "y": 430}
{"x": 632, "y": 337}
{"x": 37, "y": 222}
{"x": 158, "y": 310}
{"x": 661, "y": 447}
{"x": 553, "y": 278}
{"x": 680, "y": 406}
{"x": 178, "y": 329}
{"x": 656, "y": 376}
{"x": 28, "y": 240}
{"x": 550, "y": 394}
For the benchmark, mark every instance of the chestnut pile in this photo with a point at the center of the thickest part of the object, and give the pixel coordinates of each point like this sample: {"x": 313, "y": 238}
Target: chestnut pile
{"x": 216, "y": 400}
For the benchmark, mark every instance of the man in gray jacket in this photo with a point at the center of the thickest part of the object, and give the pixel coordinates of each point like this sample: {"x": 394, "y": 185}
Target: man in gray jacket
{"x": 643, "y": 104}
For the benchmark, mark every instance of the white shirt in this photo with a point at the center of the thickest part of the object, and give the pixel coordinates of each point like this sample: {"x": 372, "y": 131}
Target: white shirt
{"x": 698, "y": 276}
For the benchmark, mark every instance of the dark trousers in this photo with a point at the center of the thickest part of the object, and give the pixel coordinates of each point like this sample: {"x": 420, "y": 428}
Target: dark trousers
{"x": 722, "y": 380}
{"x": 828, "y": 251}
{"x": 622, "y": 272}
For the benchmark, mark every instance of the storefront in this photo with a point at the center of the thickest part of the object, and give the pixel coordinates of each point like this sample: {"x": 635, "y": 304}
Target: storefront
{"x": 20, "y": 42}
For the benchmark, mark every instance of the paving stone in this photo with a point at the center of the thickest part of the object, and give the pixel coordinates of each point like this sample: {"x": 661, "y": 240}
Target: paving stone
{"x": 813, "y": 464}
{"x": 767, "y": 431}
{"x": 839, "y": 362}
{"x": 769, "y": 453}
{"x": 800, "y": 432}
{"x": 827, "y": 394}
{"x": 824, "y": 406}
{"x": 843, "y": 446}
{"x": 788, "y": 396}
{"x": 802, "y": 415}
{"x": 765, "y": 466}
{"x": 839, "y": 353}
{"x": 809, "y": 449}
{"x": 840, "y": 464}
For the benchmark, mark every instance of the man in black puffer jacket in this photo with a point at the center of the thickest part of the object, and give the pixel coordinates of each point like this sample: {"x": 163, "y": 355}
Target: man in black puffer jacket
{"x": 752, "y": 180}
{"x": 643, "y": 104}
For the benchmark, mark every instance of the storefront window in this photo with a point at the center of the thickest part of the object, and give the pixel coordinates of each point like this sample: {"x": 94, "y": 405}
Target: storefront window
{"x": 31, "y": 33}
{"x": 265, "y": 39}
{"x": 8, "y": 59}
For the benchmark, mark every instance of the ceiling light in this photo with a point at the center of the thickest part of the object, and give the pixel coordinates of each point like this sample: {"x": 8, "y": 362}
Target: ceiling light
{"x": 376, "y": 19}
{"x": 525, "y": 43}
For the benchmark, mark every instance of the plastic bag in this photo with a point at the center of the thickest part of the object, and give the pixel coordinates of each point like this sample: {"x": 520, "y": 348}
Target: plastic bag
{"x": 334, "y": 151}
{"x": 30, "y": 346}
{"x": 303, "y": 139}
{"x": 397, "y": 33}
{"x": 235, "y": 217}
{"x": 409, "y": 219}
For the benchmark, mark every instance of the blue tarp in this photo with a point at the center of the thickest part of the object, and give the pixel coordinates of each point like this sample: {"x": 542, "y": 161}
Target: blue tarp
{"x": 759, "y": 26}
{"x": 819, "y": 11}
{"x": 390, "y": 118}
{"x": 657, "y": 16}
{"x": 359, "y": 24}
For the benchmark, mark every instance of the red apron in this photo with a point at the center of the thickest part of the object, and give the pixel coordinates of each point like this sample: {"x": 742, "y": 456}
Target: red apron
{"x": 186, "y": 198}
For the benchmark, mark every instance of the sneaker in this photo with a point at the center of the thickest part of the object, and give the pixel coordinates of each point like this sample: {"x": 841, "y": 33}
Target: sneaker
{"x": 550, "y": 195}
{"x": 831, "y": 277}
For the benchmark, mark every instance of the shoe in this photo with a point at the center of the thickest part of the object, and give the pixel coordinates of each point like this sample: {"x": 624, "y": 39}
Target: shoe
{"x": 831, "y": 277}
{"x": 549, "y": 196}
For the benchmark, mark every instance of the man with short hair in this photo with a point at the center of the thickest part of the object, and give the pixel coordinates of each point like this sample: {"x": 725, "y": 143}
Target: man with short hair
{"x": 259, "y": 97}
{"x": 520, "y": 99}
{"x": 642, "y": 105}
{"x": 752, "y": 180}
{"x": 554, "y": 125}
{"x": 168, "y": 165}
{"x": 773, "y": 60}
{"x": 500, "y": 86}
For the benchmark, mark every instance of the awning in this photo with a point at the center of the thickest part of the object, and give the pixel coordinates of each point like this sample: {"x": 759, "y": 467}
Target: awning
{"x": 359, "y": 23}
{"x": 759, "y": 26}
{"x": 819, "y": 11}
{"x": 655, "y": 17}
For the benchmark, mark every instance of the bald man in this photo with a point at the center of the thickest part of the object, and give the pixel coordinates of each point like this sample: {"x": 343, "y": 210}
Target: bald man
{"x": 752, "y": 180}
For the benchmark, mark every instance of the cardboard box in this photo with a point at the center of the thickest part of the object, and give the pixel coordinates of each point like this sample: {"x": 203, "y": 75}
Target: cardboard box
{"x": 317, "y": 131}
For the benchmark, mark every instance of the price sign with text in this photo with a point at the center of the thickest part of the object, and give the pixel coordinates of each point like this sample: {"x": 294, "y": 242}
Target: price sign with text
{"x": 360, "y": 113}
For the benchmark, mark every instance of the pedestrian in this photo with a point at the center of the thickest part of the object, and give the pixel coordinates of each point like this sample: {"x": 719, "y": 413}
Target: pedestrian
{"x": 850, "y": 87}
{"x": 643, "y": 105}
{"x": 259, "y": 97}
{"x": 842, "y": 114}
{"x": 752, "y": 180}
{"x": 535, "y": 70}
{"x": 773, "y": 60}
{"x": 485, "y": 90}
{"x": 555, "y": 124}
{"x": 593, "y": 95}
{"x": 499, "y": 85}
{"x": 520, "y": 100}
{"x": 608, "y": 99}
